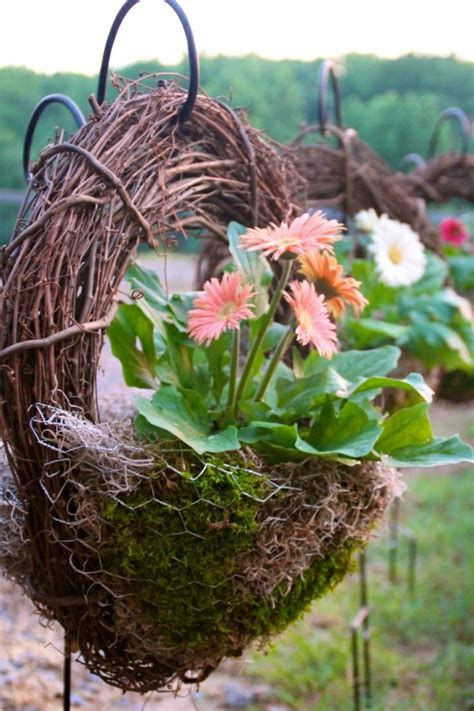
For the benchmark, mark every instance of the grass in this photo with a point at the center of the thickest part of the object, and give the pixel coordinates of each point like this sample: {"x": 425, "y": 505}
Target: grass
{"x": 422, "y": 649}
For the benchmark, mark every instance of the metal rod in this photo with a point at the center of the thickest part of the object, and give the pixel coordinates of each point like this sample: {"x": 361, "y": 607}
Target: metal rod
{"x": 357, "y": 624}
{"x": 412, "y": 554}
{"x": 104, "y": 67}
{"x": 67, "y": 674}
{"x": 188, "y": 105}
{"x": 327, "y": 72}
{"x": 39, "y": 108}
{"x": 457, "y": 115}
{"x": 393, "y": 540}
{"x": 355, "y": 669}
{"x": 364, "y": 602}
{"x": 412, "y": 160}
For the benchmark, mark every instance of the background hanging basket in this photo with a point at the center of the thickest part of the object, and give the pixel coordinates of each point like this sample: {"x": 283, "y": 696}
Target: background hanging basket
{"x": 442, "y": 178}
{"x": 74, "y": 513}
{"x": 352, "y": 177}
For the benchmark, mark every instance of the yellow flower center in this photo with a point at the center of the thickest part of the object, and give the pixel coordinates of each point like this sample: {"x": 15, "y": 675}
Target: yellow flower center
{"x": 226, "y": 311}
{"x": 395, "y": 254}
{"x": 305, "y": 320}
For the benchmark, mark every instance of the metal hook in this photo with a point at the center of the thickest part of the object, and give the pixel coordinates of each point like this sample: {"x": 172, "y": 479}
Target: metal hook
{"x": 326, "y": 71}
{"x": 187, "y": 107}
{"x": 459, "y": 117}
{"x": 40, "y": 107}
{"x": 413, "y": 159}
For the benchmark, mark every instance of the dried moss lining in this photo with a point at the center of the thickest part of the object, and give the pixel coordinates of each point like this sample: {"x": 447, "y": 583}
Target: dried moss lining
{"x": 179, "y": 560}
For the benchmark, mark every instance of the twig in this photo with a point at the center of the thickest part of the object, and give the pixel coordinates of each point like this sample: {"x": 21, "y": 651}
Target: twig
{"x": 75, "y": 330}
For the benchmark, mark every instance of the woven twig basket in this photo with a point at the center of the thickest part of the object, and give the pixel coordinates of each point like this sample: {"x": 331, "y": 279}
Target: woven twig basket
{"x": 352, "y": 177}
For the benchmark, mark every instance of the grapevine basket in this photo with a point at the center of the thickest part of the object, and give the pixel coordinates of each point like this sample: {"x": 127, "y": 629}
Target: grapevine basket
{"x": 156, "y": 562}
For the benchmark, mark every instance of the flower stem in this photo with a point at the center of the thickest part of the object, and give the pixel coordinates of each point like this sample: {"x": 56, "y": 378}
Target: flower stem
{"x": 263, "y": 329}
{"x": 233, "y": 372}
{"x": 280, "y": 350}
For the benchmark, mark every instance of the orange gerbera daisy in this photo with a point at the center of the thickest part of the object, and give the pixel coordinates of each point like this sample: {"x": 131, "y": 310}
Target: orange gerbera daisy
{"x": 304, "y": 234}
{"x": 314, "y": 324}
{"x": 325, "y": 272}
{"x": 223, "y": 306}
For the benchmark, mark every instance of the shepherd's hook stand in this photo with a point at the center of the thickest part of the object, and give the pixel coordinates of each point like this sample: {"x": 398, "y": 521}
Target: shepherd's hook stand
{"x": 67, "y": 674}
{"x": 397, "y": 532}
{"x": 361, "y": 680}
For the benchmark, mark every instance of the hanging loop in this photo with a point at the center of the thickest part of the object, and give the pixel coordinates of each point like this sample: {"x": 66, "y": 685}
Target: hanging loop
{"x": 35, "y": 116}
{"x": 414, "y": 160}
{"x": 457, "y": 115}
{"x": 327, "y": 72}
{"x": 188, "y": 105}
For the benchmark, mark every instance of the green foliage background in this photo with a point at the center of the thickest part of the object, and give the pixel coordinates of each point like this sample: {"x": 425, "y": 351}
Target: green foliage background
{"x": 393, "y": 103}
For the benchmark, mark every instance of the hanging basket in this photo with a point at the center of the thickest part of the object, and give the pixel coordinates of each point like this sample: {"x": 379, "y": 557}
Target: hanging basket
{"x": 350, "y": 176}
{"x": 156, "y": 562}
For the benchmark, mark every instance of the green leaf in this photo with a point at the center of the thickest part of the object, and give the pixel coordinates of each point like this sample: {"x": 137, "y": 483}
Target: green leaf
{"x": 350, "y": 433}
{"x": 138, "y": 366}
{"x": 284, "y": 435}
{"x": 251, "y": 264}
{"x": 218, "y": 358}
{"x": 301, "y": 395}
{"x": 437, "y": 344}
{"x": 437, "y": 453}
{"x": 374, "y": 291}
{"x": 179, "y": 307}
{"x": 414, "y": 383}
{"x": 367, "y": 332}
{"x": 179, "y": 355}
{"x": 255, "y": 411}
{"x": 273, "y": 440}
{"x": 148, "y": 282}
{"x": 462, "y": 271}
{"x": 356, "y": 364}
{"x": 434, "y": 276}
{"x": 410, "y": 426}
{"x": 184, "y": 414}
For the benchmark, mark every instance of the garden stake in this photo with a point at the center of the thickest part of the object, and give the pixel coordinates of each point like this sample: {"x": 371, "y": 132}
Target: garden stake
{"x": 357, "y": 623}
{"x": 412, "y": 556}
{"x": 364, "y": 603}
{"x": 67, "y": 674}
{"x": 393, "y": 541}
{"x": 361, "y": 685}
{"x": 396, "y": 532}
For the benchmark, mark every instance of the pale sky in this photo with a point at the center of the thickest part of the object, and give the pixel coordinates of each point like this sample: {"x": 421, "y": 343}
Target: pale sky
{"x": 67, "y": 35}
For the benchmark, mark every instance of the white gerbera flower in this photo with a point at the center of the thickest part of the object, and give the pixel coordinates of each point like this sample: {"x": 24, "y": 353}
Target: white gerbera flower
{"x": 366, "y": 220}
{"x": 398, "y": 252}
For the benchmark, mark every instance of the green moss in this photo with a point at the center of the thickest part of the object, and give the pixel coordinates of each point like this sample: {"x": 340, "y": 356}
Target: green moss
{"x": 176, "y": 542}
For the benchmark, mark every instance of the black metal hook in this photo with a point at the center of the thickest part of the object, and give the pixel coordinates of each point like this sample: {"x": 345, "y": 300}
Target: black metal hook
{"x": 413, "y": 159}
{"x": 460, "y": 118}
{"x": 187, "y": 107}
{"x": 40, "y": 107}
{"x": 327, "y": 72}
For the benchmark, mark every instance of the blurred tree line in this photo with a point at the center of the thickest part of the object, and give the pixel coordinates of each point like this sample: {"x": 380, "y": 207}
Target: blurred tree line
{"x": 393, "y": 103}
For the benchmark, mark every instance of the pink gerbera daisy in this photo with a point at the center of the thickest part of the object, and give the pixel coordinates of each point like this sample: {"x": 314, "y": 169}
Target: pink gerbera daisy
{"x": 314, "y": 324}
{"x": 304, "y": 234}
{"x": 223, "y": 306}
{"x": 453, "y": 231}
